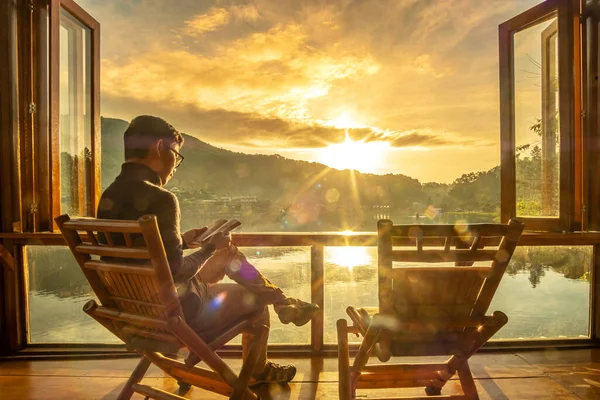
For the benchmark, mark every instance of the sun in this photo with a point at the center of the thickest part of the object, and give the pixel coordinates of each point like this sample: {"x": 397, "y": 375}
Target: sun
{"x": 358, "y": 155}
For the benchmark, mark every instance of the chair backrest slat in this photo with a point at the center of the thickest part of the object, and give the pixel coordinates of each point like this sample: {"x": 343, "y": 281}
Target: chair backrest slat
{"x": 399, "y": 273}
{"x": 114, "y": 251}
{"x": 434, "y": 256}
{"x": 142, "y": 289}
{"x": 108, "y": 266}
{"x": 92, "y": 236}
{"x": 109, "y": 238}
{"x": 475, "y": 244}
{"x": 128, "y": 241}
{"x": 462, "y": 242}
{"x": 150, "y": 285}
{"x": 133, "y": 318}
{"x": 445, "y": 230}
{"x": 447, "y": 243}
{"x": 144, "y": 304}
{"x": 120, "y": 289}
{"x": 469, "y": 283}
{"x": 160, "y": 336}
{"x": 102, "y": 225}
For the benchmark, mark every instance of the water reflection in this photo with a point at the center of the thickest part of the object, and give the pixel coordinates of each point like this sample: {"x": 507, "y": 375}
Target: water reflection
{"x": 349, "y": 256}
{"x": 545, "y": 292}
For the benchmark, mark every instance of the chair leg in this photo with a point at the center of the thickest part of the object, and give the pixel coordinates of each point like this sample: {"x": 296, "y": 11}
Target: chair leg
{"x": 466, "y": 381}
{"x": 136, "y": 376}
{"x": 345, "y": 386}
{"x": 478, "y": 339}
{"x": 198, "y": 346}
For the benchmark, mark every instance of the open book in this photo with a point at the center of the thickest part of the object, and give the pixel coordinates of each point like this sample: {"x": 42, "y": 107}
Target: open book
{"x": 220, "y": 225}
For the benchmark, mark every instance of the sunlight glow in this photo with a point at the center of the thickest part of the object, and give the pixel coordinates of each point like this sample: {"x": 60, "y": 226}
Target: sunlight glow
{"x": 348, "y": 256}
{"x": 344, "y": 121}
{"x": 359, "y": 155}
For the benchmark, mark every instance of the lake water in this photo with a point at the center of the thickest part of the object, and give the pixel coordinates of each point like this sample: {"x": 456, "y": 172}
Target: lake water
{"x": 557, "y": 307}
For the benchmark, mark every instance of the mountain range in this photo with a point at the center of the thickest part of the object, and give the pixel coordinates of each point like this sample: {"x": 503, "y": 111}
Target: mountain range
{"x": 210, "y": 172}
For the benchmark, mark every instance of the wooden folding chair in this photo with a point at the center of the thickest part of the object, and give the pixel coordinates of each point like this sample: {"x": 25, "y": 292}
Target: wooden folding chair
{"x": 428, "y": 310}
{"x": 139, "y": 304}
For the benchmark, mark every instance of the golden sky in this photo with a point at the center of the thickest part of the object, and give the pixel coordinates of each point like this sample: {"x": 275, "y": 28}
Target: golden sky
{"x": 410, "y": 86}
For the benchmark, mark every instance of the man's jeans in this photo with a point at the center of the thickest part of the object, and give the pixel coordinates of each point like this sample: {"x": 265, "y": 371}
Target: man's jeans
{"x": 226, "y": 304}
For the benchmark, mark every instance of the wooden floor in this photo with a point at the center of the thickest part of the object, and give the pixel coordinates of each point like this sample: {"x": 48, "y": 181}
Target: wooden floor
{"x": 548, "y": 374}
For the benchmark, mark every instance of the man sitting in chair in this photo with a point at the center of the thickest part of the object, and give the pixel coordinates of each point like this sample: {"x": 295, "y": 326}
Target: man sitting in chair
{"x": 152, "y": 156}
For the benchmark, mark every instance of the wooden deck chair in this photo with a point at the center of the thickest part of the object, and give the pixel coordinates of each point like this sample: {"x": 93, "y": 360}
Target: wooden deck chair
{"x": 428, "y": 309}
{"x": 139, "y": 304}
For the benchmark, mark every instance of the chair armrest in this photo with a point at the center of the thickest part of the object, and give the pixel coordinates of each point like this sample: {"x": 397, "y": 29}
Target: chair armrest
{"x": 360, "y": 318}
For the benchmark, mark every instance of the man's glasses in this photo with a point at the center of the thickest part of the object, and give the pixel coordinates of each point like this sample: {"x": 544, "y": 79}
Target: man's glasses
{"x": 178, "y": 157}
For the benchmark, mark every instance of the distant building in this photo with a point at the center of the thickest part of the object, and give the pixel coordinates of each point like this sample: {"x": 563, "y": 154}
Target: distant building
{"x": 376, "y": 211}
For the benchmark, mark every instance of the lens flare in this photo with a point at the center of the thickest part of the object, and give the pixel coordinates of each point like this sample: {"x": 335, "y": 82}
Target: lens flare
{"x": 348, "y": 256}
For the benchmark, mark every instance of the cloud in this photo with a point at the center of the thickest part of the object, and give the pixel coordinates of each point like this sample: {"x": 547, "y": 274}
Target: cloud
{"x": 246, "y": 12}
{"x": 422, "y": 66}
{"x": 413, "y": 73}
{"x": 273, "y": 73}
{"x": 200, "y": 24}
{"x": 217, "y": 17}
{"x": 251, "y": 130}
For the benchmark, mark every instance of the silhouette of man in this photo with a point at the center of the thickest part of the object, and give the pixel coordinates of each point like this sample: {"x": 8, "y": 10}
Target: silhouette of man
{"x": 152, "y": 155}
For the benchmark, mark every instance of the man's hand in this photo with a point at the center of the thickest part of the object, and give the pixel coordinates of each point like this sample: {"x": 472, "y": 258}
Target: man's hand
{"x": 190, "y": 237}
{"x": 221, "y": 240}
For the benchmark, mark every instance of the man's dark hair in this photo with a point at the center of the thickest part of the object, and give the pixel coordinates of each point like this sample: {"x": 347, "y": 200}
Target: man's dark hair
{"x": 146, "y": 130}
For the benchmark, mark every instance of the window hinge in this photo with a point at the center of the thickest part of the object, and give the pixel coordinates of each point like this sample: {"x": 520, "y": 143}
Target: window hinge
{"x": 583, "y": 114}
{"x": 33, "y": 209}
{"x": 31, "y": 5}
{"x": 31, "y": 108}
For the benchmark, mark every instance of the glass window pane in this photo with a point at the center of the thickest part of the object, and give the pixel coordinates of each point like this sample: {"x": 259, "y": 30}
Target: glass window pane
{"x": 350, "y": 280}
{"x": 57, "y": 292}
{"x": 289, "y": 269}
{"x": 75, "y": 116}
{"x": 537, "y": 120}
{"x": 545, "y": 291}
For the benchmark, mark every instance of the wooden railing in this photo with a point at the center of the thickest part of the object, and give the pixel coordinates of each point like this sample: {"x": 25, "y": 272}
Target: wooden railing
{"x": 318, "y": 241}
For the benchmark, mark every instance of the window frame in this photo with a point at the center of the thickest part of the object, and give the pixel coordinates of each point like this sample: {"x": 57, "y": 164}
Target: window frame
{"x": 52, "y": 207}
{"x": 591, "y": 101}
{"x": 571, "y": 201}
{"x": 14, "y": 235}
{"x": 317, "y": 242}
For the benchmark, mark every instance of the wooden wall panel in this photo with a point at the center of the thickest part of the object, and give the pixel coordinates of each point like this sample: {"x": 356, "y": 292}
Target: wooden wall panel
{"x": 9, "y": 157}
{"x": 9, "y": 125}
{"x": 26, "y": 118}
{"x": 592, "y": 113}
